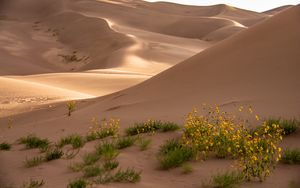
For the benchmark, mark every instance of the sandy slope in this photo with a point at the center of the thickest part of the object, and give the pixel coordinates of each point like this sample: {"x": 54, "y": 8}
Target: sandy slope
{"x": 258, "y": 67}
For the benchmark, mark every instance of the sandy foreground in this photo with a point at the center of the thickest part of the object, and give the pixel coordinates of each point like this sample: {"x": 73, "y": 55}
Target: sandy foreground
{"x": 135, "y": 61}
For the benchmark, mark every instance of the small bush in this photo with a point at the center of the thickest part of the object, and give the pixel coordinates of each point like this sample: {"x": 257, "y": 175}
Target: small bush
{"x": 125, "y": 142}
{"x": 80, "y": 183}
{"x": 5, "y": 146}
{"x": 291, "y": 156}
{"x": 75, "y": 140}
{"x": 91, "y": 158}
{"x": 129, "y": 175}
{"x": 34, "y": 161}
{"x": 227, "y": 180}
{"x": 175, "y": 158}
{"x": 76, "y": 167}
{"x": 288, "y": 125}
{"x": 110, "y": 165}
{"x": 33, "y": 184}
{"x": 53, "y": 154}
{"x": 169, "y": 126}
{"x": 32, "y": 141}
{"x": 169, "y": 146}
{"x": 107, "y": 150}
{"x": 144, "y": 144}
{"x": 92, "y": 171}
{"x": 71, "y": 106}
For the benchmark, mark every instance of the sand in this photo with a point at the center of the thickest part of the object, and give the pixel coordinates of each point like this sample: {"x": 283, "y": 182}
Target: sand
{"x": 136, "y": 60}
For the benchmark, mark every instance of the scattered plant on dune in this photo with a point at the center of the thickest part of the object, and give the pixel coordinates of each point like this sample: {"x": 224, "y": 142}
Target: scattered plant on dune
{"x": 129, "y": 175}
{"x": 92, "y": 171}
{"x": 107, "y": 151}
{"x": 91, "y": 158}
{"x": 151, "y": 126}
{"x": 35, "y": 161}
{"x": 226, "y": 136}
{"x": 5, "y": 146}
{"x": 79, "y": 183}
{"x": 291, "y": 156}
{"x": 103, "y": 129}
{"x": 110, "y": 165}
{"x": 32, "y": 141}
{"x": 33, "y": 184}
{"x": 143, "y": 143}
{"x": 53, "y": 154}
{"x": 187, "y": 168}
{"x": 71, "y": 106}
{"x": 124, "y": 142}
{"x": 75, "y": 140}
{"x": 225, "y": 180}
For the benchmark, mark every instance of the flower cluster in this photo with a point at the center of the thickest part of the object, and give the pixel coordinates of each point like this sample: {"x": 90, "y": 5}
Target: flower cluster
{"x": 227, "y": 136}
{"x": 104, "y": 128}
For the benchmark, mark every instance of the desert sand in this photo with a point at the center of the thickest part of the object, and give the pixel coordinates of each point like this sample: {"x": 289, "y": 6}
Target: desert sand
{"x": 136, "y": 60}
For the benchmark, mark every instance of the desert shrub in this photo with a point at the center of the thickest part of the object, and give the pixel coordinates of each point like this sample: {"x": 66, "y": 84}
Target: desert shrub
{"x": 129, "y": 175}
{"x": 53, "y": 154}
{"x": 173, "y": 154}
{"x": 291, "y": 156}
{"x": 75, "y": 140}
{"x": 32, "y": 141}
{"x": 108, "y": 151}
{"x": 151, "y": 126}
{"x": 92, "y": 171}
{"x": 125, "y": 142}
{"x": 110, "y": 165}
{"x": 5, "y": 146}
{"x": 226, "y": 180}
{"x": 91, "y": 158}
{"x": 71, "y": 106}
{"x": 79, "y": 183}
{"x": 103, "y": 129}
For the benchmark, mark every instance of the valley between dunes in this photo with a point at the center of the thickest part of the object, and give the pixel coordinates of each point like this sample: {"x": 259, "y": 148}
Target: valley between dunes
{"x": 135, "y": 60}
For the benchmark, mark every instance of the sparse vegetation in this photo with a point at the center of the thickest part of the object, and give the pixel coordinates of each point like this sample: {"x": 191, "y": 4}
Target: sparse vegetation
{"x": 75, "y": 140}
{"x": 144, "y": 143}
{"x": 129, "y": 175}
{"x": 173, "y": 154}
{"x": 35, "y": 161}
{"x": 125, "y": 142}
{"x": 32, "y": 141}
{"x": 92, "y": 171}
{"x": 108, "y": 151}
{"x": 103, "y": 129}
{"x": 110, "y": 165}
{"x": 291, "y": 156}
{"x": 53, "y": 154}
{"x": 33, "y": 184}
{"x": 79, "y": 183}
{"x": 288, "y": 125}
{"x": 71, "y": 106}
{"x": 151, "y": 126}
{"x": 5, "y": 146}
{"x": 226, "y": 180}
{"x": 91, "y": 158}
{"x": 187, "y": 168}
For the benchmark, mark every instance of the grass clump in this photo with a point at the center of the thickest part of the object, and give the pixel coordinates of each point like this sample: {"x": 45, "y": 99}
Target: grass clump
{"x": 110, "y": 165}
{"x": 291, "y": 156}
{"x": 288, "y": 125}
{"x": 32, "y": 141}
{"x": 173, "y": 154}
{"x": 91, "y": 158}
{"x": 103, "y": 129}
{"x": 125, "y": 142}
{"x": 80, "y": 183}
{"x": 35, "y": 161}
{"x": 75, "y": 140}
{"x": 33, "y": 184}
{"x": 127, "y": 176}
{"x": 144, "y": 144}
{"x": 108, "y": 151}
{"x": 187, "y": 168}
{"x": 92, "y": 171}
{"x": 227, "y": 180}
{"x": 5, "y": 146}
{"x": 151, "y": 126}
{"x": 53, "y": 154}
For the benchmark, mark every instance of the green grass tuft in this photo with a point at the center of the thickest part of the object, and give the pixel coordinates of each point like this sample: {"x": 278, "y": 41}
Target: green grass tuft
{"x": 53, "y": 154}
{"x": 107, "y": 150}
{"x": 32, "y": 141}
{"x": 5, "y": 146}
{"x": 125, "y": 142}
{"x": 75, "y": 140}
{"x": 169, "y": 126}
{"x": 128, "y": 176}
{"x": 35, "y": 161}
{"x": 227, "y": 180}
{"x": 187, "y": 168}
{"x": 110, "y": 165}
{"x": 91, "y": 158}
{"x": 291, "y": 156}
{"x": 144, "y": 144}
{"x": 80, "y": 183}
{"x": 92, "y": 171}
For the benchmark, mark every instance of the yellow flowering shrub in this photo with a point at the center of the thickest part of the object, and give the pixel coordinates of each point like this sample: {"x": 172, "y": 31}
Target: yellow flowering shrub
{"x": 227, "y": 136}
{"x": 103, "y": 129}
